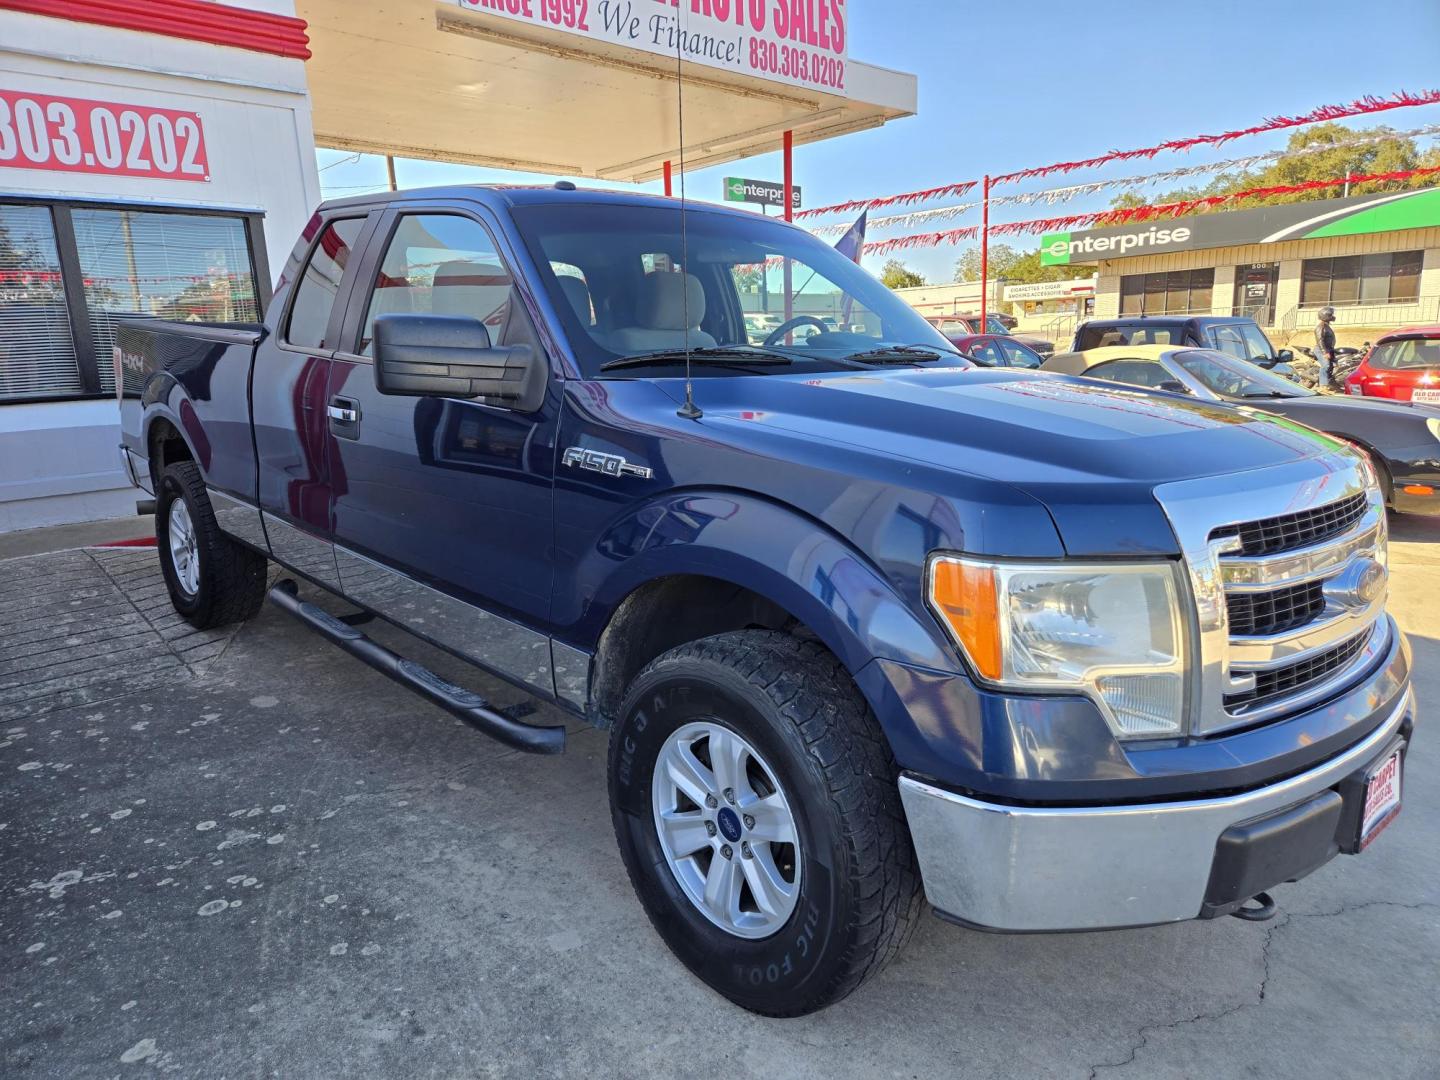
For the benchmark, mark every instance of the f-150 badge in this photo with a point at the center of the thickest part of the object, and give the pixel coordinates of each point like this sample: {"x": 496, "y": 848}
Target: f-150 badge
{"x": 609, "y": 464}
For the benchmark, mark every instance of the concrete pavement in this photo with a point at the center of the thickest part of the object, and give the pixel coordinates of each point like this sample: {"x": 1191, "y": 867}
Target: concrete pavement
{"x": 244, "y": 854}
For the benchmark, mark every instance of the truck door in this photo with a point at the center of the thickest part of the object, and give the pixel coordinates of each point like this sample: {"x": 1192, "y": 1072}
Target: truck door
{"x": 442, "y": 507}
{"x": 288, "y": 383}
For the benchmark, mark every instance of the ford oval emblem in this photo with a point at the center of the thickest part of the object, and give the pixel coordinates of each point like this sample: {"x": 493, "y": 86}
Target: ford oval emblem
{"x": 1370, "y": 584}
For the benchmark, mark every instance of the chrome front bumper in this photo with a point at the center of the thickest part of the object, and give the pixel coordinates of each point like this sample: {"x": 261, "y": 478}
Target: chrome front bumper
{"x": 1020, "y": 869}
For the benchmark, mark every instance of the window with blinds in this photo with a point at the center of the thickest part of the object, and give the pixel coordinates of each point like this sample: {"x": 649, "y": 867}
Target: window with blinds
{"x": 189, "y": 267}
{"x": 37, "y": 353}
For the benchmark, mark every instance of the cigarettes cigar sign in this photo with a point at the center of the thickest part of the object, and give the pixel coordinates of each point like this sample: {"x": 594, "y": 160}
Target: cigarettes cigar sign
{"x": 1265, "y": 225}
{"x": 800, "y": 42}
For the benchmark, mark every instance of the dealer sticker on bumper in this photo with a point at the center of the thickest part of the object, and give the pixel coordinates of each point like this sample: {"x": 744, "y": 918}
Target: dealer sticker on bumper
{"x": 1426, "y": 397}
{"x": 1382, "y": 799}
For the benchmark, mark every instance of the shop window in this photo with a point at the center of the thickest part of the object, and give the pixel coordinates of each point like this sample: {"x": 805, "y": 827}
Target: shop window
{"x": 137, "y": 263}
{"x": 37, "y": 352}
{"x": 320, "y": 284}
{"x": 1176, "y": 292}
{"x": 1385, "y": 278}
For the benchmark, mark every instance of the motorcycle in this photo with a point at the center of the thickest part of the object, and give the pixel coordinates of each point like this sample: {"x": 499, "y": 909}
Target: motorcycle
{"x": 1307, "y": 367}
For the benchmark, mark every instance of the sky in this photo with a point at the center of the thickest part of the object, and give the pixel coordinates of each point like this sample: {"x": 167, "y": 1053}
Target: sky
{"x": 1005, "y": 86}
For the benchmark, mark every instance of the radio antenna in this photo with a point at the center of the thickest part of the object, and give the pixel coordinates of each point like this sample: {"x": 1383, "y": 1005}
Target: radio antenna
{"x": 689, "y": 410}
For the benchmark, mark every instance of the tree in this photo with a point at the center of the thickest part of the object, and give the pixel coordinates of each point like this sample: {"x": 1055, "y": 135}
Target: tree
{"x": 1342, "y": 159}
{"x": 1014, "y": 266}
{"x": 897, "y": 275}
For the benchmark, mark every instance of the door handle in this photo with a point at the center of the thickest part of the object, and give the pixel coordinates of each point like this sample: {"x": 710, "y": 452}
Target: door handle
{"x": 344, "y": 414}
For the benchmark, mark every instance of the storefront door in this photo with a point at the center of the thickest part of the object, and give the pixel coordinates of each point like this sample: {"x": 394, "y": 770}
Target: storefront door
{"x": 1255, "y": 292}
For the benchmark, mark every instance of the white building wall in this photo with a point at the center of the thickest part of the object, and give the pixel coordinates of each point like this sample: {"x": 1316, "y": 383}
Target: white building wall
{"x": 58, "y": 461}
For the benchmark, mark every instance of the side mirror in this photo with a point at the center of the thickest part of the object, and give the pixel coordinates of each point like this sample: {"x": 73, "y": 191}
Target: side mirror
{"x": 1284, "y": 356}
{"x": 1175, "y": 386}
{"x": 447, "y": 356}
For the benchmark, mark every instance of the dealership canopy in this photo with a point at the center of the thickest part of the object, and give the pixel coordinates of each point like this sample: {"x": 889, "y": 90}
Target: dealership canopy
{"x": 587, "y": 87}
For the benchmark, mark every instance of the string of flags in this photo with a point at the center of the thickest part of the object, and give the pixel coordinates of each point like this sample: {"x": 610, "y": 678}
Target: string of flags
{"x": 1368, "y": 105}
{"x": 1128, "y": 214}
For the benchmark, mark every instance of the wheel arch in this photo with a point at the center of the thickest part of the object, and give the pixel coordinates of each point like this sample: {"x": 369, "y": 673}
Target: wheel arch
{"x": 779, "y": 571}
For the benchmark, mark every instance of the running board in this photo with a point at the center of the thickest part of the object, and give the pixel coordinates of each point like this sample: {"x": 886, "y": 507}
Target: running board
{"x": 469, "y": 707}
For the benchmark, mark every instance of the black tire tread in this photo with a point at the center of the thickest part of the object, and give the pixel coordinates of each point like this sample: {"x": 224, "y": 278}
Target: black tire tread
{"x": 809, "y": 687}
{"x": 236, "y": 575}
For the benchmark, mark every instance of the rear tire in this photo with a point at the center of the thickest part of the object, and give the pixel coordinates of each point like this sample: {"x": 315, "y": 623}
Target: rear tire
{"x": 212, "y": 579}
{"x": 852, "y": 897}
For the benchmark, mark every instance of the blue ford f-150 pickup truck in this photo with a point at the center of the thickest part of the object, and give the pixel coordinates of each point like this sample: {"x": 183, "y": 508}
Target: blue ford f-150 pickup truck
{"x": 864, "y": 620}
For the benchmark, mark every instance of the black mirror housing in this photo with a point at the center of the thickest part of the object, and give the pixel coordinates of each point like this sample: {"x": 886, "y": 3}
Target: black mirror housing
{"x": 1174, "y": 386}
{"x": 1284, "y": 356}
{"x": 448, "y": 356}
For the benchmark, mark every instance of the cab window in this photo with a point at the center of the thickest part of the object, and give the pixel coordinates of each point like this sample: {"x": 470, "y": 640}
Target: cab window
{"x": 320, "y": 284}
{"x": 1408, "y": 353}
{"x": 1017, "y": 355}
{"x": 1132, "y": 372}
{"x": 444, "y": 264}
{"x": 1099, "y": 337}
{"x": 986, "y": 352}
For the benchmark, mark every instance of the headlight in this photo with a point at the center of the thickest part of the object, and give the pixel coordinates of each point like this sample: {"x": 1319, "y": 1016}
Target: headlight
{"x": 1111, "y": 631}
{"x": 1434, "y": 426}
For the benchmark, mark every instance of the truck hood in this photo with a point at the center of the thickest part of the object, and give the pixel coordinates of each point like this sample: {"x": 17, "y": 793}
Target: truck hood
{"x": 1090, "y": 454}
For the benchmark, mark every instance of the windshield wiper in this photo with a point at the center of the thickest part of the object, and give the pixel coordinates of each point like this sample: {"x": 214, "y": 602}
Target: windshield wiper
{"x": 710, "y": 354}
{"x": 899, "y": 354}
{"x": 1265, "y": 394}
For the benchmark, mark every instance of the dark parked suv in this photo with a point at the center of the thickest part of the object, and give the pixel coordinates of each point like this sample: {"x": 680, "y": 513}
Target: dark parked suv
{"x": 1236, "y": 336}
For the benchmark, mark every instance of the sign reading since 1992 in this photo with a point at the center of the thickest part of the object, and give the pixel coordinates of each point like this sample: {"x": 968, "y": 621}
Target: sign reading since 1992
{"x": 79, "y": 135}
{"x": 800, "y": 42}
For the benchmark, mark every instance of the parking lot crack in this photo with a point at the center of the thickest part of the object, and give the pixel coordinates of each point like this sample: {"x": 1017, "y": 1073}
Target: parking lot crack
{"x": 1142, "y": 1035}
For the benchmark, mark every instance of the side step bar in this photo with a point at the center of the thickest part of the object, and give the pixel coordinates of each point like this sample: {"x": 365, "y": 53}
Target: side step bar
{"x": 470, "y": 707}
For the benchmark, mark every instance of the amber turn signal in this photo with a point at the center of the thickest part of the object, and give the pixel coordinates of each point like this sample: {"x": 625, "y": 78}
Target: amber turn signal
{"x": 965, "y": 597}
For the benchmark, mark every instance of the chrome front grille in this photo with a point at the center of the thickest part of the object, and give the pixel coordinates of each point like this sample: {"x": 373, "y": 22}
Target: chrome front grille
{"x": 1298, "y": 530}
{"x": 1281, "y": 682}
{"x": 1254, "y": 614}
{"x": 1290, "y": 607}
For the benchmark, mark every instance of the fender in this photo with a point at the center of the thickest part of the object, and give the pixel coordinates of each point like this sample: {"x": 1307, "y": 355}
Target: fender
{"x": 798, "y": 563}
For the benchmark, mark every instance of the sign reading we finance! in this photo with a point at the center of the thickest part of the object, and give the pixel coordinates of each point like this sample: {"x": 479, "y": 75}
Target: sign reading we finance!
{"x": 800, "y": 42}
{"x": 80, "y": 135}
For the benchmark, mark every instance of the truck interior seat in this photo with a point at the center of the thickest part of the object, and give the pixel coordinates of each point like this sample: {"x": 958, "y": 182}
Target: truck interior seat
{"x": 664, "y": 301}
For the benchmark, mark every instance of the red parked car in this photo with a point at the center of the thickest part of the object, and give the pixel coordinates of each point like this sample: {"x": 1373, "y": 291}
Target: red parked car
{"x": 1403, "y": 366}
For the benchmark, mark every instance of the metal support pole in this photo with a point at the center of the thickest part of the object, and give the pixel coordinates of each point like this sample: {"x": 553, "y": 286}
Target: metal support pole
{"x": 669, "y": 178}
{"x": 390, "y": 171}
{"x": 789, "y": 145}
{"x": 985, "y": 257}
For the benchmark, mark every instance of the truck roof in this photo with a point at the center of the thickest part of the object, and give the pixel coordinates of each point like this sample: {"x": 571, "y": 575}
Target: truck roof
{"x": 505, "y": 196}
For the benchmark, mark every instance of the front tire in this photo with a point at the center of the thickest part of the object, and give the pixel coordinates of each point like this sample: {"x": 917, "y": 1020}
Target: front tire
{"x": 757, "y": 744}
{"x": 212, "y": 579}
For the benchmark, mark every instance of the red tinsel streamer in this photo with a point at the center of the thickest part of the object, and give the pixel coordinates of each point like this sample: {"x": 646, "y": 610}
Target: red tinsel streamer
{"x": 1366, "y": 105}
{"x": 1128, "y": 214}
{"x": 947, "y": 191}
{"x": 1363, "y": 107}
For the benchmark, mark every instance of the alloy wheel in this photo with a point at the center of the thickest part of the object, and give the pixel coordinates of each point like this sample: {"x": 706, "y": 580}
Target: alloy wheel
{"x": 726, "y": 829}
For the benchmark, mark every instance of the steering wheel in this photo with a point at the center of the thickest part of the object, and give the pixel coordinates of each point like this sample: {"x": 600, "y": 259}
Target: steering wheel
{"x": 773, "y": 338}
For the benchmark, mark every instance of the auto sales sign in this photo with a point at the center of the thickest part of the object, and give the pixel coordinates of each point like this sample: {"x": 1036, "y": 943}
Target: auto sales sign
{"x": 799, "y": 42}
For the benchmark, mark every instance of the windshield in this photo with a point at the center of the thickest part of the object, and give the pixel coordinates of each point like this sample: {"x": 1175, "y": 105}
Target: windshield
{"x": 1244, "y": 341}
{"x": 627, "y": 283}
{"x": 1406, "y": 354}
{"x": 1232, "y": 378}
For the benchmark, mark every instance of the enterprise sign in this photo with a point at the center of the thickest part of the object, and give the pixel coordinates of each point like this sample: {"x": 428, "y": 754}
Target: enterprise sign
{"x": 1265, "y": 225}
